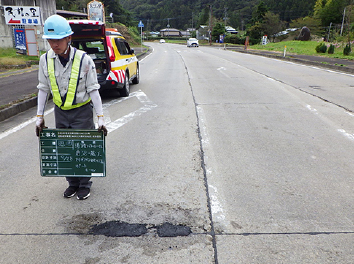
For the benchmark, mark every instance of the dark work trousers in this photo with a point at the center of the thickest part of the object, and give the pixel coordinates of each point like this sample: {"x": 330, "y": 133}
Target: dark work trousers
{"x": 77, "y": 118}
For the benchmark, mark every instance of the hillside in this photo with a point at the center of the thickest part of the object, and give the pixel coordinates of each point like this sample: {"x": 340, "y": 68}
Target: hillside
{"x": 183, "y": 14}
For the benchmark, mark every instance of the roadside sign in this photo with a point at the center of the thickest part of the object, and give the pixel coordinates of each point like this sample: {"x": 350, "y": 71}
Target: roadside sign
{"x": 22, "y": 15}
{"x": 20, "y": 39}
{"x": 221, "y": 38}
{"x": 72, "y": 152}
{"x": 140, "y": 24}
{"x": 95, "y": 10}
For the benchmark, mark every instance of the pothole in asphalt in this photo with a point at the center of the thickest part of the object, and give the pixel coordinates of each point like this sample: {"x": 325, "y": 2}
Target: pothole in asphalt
{"x": 123, "y": 229}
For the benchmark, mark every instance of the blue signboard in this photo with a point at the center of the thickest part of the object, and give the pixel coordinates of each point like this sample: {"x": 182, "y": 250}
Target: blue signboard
{"x": 221, "y": 38}
{"x": 20, "y": 38}
{"x": 140, "y": 24}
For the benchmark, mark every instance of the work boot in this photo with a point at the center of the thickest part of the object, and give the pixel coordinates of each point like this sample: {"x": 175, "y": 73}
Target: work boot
{"x": 70, "y": 191}
{"x": 83, "y": 193}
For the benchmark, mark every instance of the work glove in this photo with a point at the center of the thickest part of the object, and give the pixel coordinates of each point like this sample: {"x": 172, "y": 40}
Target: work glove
{"x": 101, "y": 125}
{"x": 39, "y": 125}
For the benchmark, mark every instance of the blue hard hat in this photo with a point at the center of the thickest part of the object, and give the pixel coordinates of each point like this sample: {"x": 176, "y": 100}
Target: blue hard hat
{"x": 56, "y": 27}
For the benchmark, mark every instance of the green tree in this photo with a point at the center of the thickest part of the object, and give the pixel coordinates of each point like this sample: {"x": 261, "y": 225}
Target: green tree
{"x": 330, "y": 11}
{"x": 119, "y": 14}
{"x": 204, "y": 16}
{"x": 314, "y": 24}
{"x": 259, "y": 12}
{"x": 291, "y": 9}
{"x": 255, "y": 33}
{"x": 218, "y": 30}
{"x": 271, "y": 25}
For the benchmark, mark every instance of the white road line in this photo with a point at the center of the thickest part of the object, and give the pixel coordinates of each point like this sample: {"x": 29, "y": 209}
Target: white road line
{"x": 314, "y": 110}
{"x": 24, "y": 124}
{"x": 111, "y": 126}
{"x": 147, "y": 106}
{"x": 346, "y": 134}
{"x": 215, "y": 204}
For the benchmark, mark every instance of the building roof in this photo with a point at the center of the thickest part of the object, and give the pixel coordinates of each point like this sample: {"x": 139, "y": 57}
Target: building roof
{"x": 231, "y": 30}
{"x": 169, "y": 30}
{"x": 66, "y": 13}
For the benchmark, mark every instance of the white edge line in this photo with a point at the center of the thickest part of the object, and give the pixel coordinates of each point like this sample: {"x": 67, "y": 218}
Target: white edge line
{"x": 147, "y": 105}
{"x": 111, "y": 126}
{"x": 22, "y": 125}
{"x": 216, "y": 206}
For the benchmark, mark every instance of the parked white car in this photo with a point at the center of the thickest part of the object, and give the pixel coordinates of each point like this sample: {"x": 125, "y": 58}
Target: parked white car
{"x": 192, "y": 42}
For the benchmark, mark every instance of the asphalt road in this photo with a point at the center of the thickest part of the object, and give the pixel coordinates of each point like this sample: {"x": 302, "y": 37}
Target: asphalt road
{"x": 18, "y": 86}
{"x": 250, "y": 154}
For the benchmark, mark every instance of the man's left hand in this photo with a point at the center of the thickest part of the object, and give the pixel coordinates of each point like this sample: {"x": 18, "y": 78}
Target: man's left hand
{"x": 103, "y": 129}
{"x": 101, "y": 126}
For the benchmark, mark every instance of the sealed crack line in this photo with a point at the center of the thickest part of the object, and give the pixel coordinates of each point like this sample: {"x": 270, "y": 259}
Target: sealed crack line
{"x": 315, "y": 233}
{"x": 202, "y": 158}
{"x": 179, "y": 231}
{"x": 302, "y": 90}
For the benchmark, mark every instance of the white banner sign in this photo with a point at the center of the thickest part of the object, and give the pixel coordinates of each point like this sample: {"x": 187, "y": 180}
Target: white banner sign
{"x": 22, "y": 15}
{"x": 95, "y": 11}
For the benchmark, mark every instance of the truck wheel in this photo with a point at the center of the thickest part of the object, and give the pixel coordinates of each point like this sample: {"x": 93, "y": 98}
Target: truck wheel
{"x": 126, "y": 88}
{"x": 137, "y": 77}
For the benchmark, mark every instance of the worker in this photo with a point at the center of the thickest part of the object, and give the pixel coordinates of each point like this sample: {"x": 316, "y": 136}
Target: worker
{"x": 70, "y": 76}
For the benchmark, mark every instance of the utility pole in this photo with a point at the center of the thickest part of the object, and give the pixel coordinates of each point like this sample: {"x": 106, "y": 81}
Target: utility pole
{"x": 225, "y": 18}
{"x": 341, "y": 29}
{"x": 210, "y": 23}
{"x": 192, "y": 18}
{"x": 350, "y": 13}
{"x": 168, "y": 27}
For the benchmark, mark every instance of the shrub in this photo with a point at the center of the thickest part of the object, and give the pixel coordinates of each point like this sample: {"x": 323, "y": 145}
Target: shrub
{"x": 235, "y": 39}
{"x": 347, "y": 50}
{"x": 321, "y": 48}
{"x": 331, "y": 49}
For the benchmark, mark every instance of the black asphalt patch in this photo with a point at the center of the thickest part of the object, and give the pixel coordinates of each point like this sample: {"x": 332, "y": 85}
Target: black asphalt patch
{"x": 123, "y": 229}
{"x": 169, "y": 230}
{"x": 119, "y": 229}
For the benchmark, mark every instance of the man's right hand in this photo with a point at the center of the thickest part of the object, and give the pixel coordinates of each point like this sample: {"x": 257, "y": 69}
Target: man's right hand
{"x": 39, "y": 125}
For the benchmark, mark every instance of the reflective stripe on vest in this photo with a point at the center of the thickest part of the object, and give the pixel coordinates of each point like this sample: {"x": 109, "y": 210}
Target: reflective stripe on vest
{"x": 73, "y": 82}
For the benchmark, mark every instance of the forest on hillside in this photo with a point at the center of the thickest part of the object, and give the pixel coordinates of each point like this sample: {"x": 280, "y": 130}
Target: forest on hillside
{"x": 183, "y": 14}
{"x": 255, "y": 17}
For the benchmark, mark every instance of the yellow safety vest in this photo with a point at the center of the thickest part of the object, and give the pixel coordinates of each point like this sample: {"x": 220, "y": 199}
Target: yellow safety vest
{"x": 73, "y": 82}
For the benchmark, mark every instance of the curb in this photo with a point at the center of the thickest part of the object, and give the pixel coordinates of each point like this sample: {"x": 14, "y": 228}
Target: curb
{"x": 17, "y": 108}
{"x": 19, "y": 66}
{"x": 29, "y": 103}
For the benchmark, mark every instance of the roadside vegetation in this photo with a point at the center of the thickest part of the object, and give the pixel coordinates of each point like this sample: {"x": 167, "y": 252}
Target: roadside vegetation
{"x": 306, "y": 48}
{"x": 8, "y": 56}
{"x": 327, "y": 30}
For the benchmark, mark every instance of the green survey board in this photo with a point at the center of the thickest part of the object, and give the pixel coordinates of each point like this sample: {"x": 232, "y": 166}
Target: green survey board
{"x": 72, "y": 153}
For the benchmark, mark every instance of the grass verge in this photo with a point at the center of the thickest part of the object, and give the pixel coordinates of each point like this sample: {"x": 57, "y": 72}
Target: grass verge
{"x": 304, "y": 48}
{"x": 8, "y": 56}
